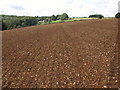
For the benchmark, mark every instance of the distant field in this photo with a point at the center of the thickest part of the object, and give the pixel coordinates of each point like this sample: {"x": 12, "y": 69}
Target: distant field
{"x": 80, "y": 54}
{"x": 83, "y": 18}
{"x": 73, "y": 19}
{"x": 76, "y": 19}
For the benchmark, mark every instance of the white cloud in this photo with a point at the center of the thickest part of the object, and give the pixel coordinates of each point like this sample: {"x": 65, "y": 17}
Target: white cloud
{"x": 74, "y": 8}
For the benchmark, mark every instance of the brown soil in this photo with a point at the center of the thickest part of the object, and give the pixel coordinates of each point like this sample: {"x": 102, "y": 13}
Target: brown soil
{"x": 80, "y": 54}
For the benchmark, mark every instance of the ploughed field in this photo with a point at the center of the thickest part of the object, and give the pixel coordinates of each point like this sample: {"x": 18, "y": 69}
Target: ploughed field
{"x": 80, "y": 54}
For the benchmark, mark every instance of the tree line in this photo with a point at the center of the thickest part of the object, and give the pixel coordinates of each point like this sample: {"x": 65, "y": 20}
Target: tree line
{"x": 96, "y": 16}
{"x": 13, "y": 21}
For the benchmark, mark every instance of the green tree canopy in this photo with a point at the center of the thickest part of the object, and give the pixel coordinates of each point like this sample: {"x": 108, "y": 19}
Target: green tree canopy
{"x": 53, "y": 17}
{"x": 13, "y": 21}
{"x": 4, "y": 27}
{"x": 96, "y": 16}
{"x": 64, "y": 16}
{"x": 117, "y": 15}
{"x": 58, "y": 17}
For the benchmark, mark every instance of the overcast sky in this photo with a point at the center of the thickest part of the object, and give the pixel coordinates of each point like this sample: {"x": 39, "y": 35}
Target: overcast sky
{"x": 74, "y": 8}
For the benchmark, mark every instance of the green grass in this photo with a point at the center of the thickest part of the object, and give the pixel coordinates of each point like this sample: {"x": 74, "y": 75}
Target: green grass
{"x": 69, "y": 20}
{"x": 72, "y": 19}
{"x": 83, "y": 18}
{"x": 57, "y": 21}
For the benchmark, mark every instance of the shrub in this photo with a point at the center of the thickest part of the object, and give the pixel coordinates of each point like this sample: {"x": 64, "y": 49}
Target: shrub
{"x": 117, "y": 15}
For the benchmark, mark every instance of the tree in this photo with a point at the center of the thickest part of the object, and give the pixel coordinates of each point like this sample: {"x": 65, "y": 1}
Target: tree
{"x": 117, "y": 15}
{"x": 64, "y": 16}
{"x": 96, "y": 16}
{"x": 4, "y": 27}
{"x": 53, "y": 17}
{"x": 58, "y": 17}
{"x": 100, "y": 17}
{"x": 12, "y": 21}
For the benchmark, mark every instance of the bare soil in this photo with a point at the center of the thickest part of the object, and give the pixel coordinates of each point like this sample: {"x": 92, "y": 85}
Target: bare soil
{"x": 80, "y": 54}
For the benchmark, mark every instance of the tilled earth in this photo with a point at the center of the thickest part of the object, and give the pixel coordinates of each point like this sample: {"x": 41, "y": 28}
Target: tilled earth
{"x": 80, "y": 54}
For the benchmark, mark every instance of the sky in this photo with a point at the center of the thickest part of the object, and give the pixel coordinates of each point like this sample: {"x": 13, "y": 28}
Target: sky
{"x": 74, "y": 8}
